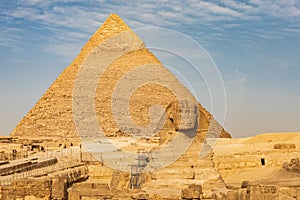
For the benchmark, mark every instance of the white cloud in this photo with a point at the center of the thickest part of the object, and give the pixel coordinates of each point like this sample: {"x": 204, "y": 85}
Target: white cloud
{"x": 277, "y": 8}
{"x": 237, "y": 5}
{"x": 12, "y": 37}
{"x": 216, "y": 9}
{"x": 240, "y": 78}
{"x": 58, "y": 9}
{"x": 72, "y": 17}
{"x": 291, "y": 30}
{"x": 79, "y": 21}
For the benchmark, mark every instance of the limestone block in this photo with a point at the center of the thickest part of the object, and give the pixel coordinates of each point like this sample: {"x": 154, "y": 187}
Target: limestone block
{"x": 189, "y": 173}
{"x": 73, "y": 194}
{"x": 218, "y": 195}
{"x": 192, "y": 192}
{"x": 293, "y": 165}
{"x": 242, "y": 194}
{"x": 140, "y": 196}
{"x": 35, "y": 198}
{"x": 59, "y": 188}
{"x": 232, "y": 195}
{"x": 186, "y": 194}
{"x": 284, "y": 146}
{"x": 195, "y": 194}
{"x": 245, "y": 184}
{"x": 207, "y": 194}
{"x": 242, "y": 165}
{"x": 195, "y": 187}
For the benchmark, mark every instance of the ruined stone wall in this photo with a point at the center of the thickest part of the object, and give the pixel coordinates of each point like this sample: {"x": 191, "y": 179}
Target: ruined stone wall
{"x": 100, "y": 172}
{"x": 258, "y": 192}
{"x": 253, "y": 159}
{"x": 53, "y": 186}
{"x": 273, "y": 192}
{"x": 25, "y": 188}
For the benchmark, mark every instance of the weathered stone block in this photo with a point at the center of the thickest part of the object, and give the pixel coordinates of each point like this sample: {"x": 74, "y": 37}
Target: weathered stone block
{"x": 195, "y": 187}
{"x": 284, "y": 146}
{"x": 73, "y": 194}
{"x": 186, "y": 194}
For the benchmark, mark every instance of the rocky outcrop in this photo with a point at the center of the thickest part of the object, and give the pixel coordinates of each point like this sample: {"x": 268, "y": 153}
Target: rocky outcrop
{"x": 293, "y": 165}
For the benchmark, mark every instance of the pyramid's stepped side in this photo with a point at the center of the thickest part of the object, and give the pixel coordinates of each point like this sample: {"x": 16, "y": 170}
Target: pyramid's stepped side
{"x": 52, "y": 116}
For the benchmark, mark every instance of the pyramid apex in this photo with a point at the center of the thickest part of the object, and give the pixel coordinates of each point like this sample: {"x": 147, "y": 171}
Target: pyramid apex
{"x": 114, "y": 23}
{"x": 112, "y": 26}
{"x": 114, "y": 15}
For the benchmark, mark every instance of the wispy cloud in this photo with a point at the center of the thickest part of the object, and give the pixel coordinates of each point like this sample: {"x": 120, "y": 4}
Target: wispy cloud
{"x": 242, "y": 6}
{"x": 292, "y": 30}
{"x": 237, "y": 86}
{"x": 240, "y": 78}
{"x": 289, "y": 10}
{"x": 11, "y": 37}
{"x": 71, "y": 17}
{"x": 74, "y": 20}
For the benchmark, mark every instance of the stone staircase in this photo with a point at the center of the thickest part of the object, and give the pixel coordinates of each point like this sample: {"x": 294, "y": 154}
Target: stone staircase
{"x": 187, "y": 170}
{"x": 119, "y": 180}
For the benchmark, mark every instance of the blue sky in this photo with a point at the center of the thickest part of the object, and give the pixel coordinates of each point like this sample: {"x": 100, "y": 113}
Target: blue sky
{"x": 254, "y": 43}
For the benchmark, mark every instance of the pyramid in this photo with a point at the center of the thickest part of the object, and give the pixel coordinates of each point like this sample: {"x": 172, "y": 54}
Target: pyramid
{"x": 127, "y": 82}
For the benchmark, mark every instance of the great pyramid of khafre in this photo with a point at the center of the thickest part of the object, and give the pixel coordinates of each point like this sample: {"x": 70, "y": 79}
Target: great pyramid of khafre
{"x": 117, "y": 54}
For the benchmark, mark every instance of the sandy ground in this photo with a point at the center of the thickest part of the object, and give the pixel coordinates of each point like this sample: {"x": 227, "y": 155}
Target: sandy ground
{"x": 263, "y": 145}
